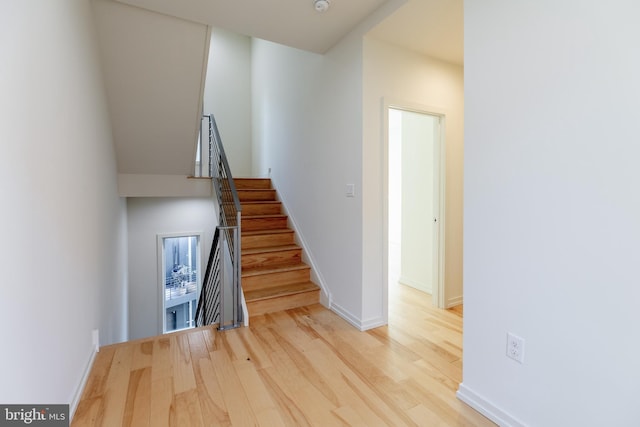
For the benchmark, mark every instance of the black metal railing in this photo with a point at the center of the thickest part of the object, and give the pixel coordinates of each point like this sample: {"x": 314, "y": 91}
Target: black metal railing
{"x": 208, "y": 311}
{"x": 222, "y": 283}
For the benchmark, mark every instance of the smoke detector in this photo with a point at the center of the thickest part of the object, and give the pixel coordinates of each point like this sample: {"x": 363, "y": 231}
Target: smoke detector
{"x": 321, "y": 5}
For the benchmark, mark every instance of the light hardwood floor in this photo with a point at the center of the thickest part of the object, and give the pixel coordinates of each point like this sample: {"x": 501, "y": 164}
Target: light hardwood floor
{"x": 301, "y": 367}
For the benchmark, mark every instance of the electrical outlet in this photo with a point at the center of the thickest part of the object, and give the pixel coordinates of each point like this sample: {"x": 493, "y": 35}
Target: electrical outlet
{"x": 515, "y": 348}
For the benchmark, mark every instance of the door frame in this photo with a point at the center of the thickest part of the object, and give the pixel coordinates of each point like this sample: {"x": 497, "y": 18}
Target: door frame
{"x": 438, "y": 290}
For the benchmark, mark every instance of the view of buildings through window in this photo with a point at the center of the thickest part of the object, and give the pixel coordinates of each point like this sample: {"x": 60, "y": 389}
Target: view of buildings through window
{"x": 181, "y": 271}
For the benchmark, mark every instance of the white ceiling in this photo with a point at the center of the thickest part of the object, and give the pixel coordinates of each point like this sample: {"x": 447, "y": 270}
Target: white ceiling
{"x": 290, "y": 22}
{"x": 154, "y": 64}
{"x": 431, "y": 27}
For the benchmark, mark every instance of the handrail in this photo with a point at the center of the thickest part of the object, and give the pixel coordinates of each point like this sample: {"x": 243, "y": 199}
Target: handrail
{"x": 230, "y": 217}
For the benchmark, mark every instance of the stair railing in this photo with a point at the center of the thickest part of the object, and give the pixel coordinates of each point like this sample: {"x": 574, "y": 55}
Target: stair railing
{"x": 220, "y": 297}
{"x": 208, "y": 311}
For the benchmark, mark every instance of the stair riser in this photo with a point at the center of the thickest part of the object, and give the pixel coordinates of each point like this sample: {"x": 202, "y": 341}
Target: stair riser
{"x": 283, "y": 303}
{"x": 257, "y": 195}
{"x": 266, "y": 240}
{"x": 252, "y": 224}
{"x": 274, "y": 259}
{"x": 252, "y": 183}
{"x": 250, "y": 283}
{"x": 261, "y": 209}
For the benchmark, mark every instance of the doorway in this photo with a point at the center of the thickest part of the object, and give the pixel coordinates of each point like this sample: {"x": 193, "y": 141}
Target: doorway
{"x": 415, "y": 170}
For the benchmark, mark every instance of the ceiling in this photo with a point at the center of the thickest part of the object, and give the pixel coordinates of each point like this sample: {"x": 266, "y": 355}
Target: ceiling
{"x": 153, "y": 63}
{"x": 431, "y": 27}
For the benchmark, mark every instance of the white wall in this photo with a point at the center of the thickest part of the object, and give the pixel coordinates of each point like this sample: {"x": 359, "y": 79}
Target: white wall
{"x": 228, "y": 96}
{"x": 551, "y": 211}
{"x": 307, "y": 128}
{"x": 64, "y": 242}
{"x": 130, "y": 185}
{"x": 148, "y": 217}
{"x": 408, "y": 79}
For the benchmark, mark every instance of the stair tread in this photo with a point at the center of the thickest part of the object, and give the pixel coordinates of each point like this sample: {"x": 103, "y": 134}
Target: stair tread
{"x": 246, "y": 182}
{"x": 270, "y": 269}
{"x": 267, "y": 231}
{"x": 264, "y": 216}
{"x": 280, "y": 291}
{"x": 268, "y": 249}
{"x": 260, "y": 202}
{"x": 276, "y": 278}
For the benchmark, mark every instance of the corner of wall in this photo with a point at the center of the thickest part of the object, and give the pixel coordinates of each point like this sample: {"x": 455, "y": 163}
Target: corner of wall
{"x": 454, "y": 301}
{"x": 77, "y": 395}
{"x": 486, "y": 408}
{"x": 361, "y": 325}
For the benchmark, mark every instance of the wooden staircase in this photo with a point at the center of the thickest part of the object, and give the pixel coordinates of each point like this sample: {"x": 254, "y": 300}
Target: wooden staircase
{"x": 274, "y": 278}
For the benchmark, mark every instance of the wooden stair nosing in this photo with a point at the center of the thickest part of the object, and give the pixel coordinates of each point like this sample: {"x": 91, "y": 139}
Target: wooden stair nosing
{"x": 264, "y": 216}
{"x": 271, "y": 249}
{"x": 265, "y": 239}
{"x": 257, "y": 195}
{"x": 258, "y": 271}
{"x": 263, "y": 207}
{"x": 270, "y": 276}
{"x": 283, "y": 255}
{"x": 266, "y": 231}
{"x": 264, "y": 222}
{"x": 261, "y": 202}
{"x": 284, "y": 302}
{"x": 280, "y": 291}
{"x": 253, "y": 183}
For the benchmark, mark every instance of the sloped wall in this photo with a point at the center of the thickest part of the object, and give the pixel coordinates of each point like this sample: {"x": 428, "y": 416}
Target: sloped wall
{"x": 154, "y": 69}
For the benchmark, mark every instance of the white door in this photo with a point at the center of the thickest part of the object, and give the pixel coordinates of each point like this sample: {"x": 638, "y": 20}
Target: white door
{"x": 414, "y": 201}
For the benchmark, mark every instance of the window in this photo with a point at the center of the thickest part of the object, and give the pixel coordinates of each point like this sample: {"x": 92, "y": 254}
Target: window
{"x": 179, "y": 263}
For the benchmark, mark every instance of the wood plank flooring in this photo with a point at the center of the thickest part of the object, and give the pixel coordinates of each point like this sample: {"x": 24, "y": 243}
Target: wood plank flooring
{"x": 300, "y": 367}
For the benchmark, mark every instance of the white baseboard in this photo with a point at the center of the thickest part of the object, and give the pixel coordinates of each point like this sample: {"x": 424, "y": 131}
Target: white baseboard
{"x": 452, "y": 302}
{"x": 345, "y": 314}
{"x": 415, "y": 284}
{"x": 325, "y": 299}
{"x": 83, "y": 382}
{"x": 245, "y": 310}
{"x": 486, "y": 408}
{"x": 355, "y": 321}
{"x": 365, "y": 325}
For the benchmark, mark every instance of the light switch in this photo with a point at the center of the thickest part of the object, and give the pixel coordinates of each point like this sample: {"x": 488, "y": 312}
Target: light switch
{"x": 351, "y": 190}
